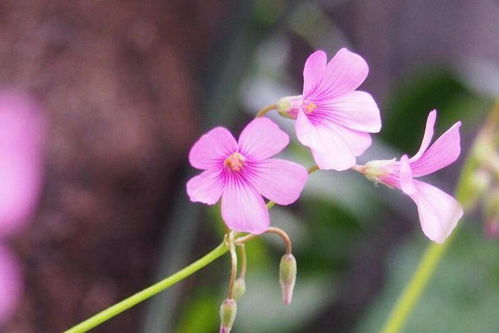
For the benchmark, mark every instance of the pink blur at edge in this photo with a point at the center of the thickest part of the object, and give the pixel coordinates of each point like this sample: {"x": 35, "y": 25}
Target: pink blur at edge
{"x": 11, "y": 284}
{"x": 21, "y": 141}
{"x": 21, "y": 134}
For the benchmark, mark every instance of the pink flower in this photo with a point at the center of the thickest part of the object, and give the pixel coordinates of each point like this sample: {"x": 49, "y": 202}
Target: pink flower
{"x": 438, "y": 211}
{"x": 332, "y": 117}
{"x": 20, "y": 161}
{"x": 10, "y": 284}
{"x": 241, "y": 173}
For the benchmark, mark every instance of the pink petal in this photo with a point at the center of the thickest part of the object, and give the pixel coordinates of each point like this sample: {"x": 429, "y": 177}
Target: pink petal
{"x": 438, "y": 211}
{"x": 315, "y": 67}
{"x": 243, "y": 209}
{"x": 278, "y": 180}
{"x": 333, "y": 146}
{"x": 345, "y": 146}
{"x": 356, "y": 110}
{"x": 212, "y": 148}
{"x": 441, "y": 153}
{"x": 331, "y": 161}
{"x": 428, "y": 135}
{"x": 206, "y": 187}
{"x": 406, "y": 181}
{"x": 10, "y": 285}
{"x": 344, "y": 73}
{"x": 21, "y": 140}
{"x": 308, "y": 134}
{"x": 261, "y": 139}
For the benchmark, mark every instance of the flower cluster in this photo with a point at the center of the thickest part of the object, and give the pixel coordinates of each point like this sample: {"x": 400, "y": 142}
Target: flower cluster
{"x": 335, "y": 121}
{"x": 20, "y": 168}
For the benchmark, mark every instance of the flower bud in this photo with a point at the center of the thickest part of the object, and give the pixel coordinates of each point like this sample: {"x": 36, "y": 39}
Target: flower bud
{"x": 239, "y": 288}
{"x": 491, "y": 213}
{"x": 228, "y": 311}
{"x": 287, "y": 277}
{"x": 288, "y": 106}
{"x": 375, "y": 170}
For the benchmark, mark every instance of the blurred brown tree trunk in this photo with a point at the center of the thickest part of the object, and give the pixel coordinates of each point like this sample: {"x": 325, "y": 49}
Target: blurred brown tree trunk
{"x": 116, "y": 79}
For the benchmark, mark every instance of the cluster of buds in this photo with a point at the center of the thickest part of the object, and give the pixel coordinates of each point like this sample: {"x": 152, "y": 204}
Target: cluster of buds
{"x": 237, "y": 286}
{"x": 481, "y": 184}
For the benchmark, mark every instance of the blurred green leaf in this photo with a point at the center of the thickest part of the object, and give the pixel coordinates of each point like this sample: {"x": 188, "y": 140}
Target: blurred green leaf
{"x": 407, "y": 109}
{"x": 463, "y": 295}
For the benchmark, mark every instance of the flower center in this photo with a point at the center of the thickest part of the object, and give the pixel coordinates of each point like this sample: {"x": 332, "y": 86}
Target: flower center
{"x": 235, "y": 162}
{"x": 310, "y": 107}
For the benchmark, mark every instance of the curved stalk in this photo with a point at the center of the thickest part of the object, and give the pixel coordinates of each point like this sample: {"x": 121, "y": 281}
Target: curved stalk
{"x": 265, "y": 110}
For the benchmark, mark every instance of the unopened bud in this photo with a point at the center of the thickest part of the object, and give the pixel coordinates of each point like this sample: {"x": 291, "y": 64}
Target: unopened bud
{"x": 376, "y": 170}
{"x": 287, "y": 277}
{"x": 288, "y": 106}
{"x": 491, "y": 213}
{"x": 239, "y": 288}
{"x": 228, "y": 311}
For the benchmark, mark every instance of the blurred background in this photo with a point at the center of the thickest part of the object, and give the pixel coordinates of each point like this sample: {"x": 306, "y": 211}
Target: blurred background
{"x": 126, "y": 87}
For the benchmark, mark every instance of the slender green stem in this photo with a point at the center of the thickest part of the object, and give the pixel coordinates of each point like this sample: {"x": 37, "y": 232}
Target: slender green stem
{"x": 233, "y": 263}
{"x": 141, "y": 296}
{"x": 271, "y": 230}
{"x": 244, "y": 260}
{"x": 414, "y": 289}
{"x": 265, "y": 110}
{"x": 284, "y": 236}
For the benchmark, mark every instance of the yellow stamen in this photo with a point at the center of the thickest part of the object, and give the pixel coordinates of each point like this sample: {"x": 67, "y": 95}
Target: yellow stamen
{"x": 235, "y": 162}
{"x": 310, "y": 108}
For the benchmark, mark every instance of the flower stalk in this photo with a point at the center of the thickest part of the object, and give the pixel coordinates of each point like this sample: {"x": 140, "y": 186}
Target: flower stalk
{"x": 156, "y": 288}
{"x": 266, "y": 110}
{"x": 143, "y": 295}
{"x": 233, "y": 260}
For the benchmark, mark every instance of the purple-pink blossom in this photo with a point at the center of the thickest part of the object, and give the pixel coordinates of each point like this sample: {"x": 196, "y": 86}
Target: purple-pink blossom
{"x": 333, "y": 118}
{"x": 241, "y": 172}
{"x": 438, "y": 211}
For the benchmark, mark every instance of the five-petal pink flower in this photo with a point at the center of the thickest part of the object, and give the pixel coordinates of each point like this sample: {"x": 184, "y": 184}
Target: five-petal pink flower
{"x": 332, "y": 117}
{"x": 241, "y": 172}
{"x": 438, "y": 211}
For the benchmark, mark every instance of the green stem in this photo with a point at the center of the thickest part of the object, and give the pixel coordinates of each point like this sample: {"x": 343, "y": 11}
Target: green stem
{"x": 233, "y": 263}
{"x": 244, "y": 260}
{"x": 414, "y": 289}
{"x": 141, "y": 296}
{"x": 265, "y": 110}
